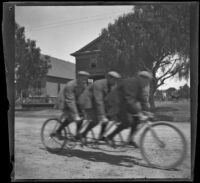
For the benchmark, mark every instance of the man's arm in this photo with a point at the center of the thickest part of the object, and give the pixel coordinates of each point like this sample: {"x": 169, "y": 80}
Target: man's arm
{"x": 144, "y": 98}
{"x": 130, "y": 94}
{"x": 70, "y": 99}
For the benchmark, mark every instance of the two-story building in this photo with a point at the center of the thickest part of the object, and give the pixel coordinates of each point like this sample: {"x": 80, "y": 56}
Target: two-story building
{"x": 87, "y": 59}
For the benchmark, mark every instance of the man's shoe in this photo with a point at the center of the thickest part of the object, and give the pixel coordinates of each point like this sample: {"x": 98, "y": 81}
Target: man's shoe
{"x": 57, "y": 135}
{"x": 83, "y": 139}
{"x": 110, "y": 142}
{"x": 132, "y": 143}
{"x": 77, "y": 137}
{"x": 102, "y": 138}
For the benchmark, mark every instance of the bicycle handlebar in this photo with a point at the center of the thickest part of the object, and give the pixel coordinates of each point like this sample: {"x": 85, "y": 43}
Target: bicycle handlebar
{"x": 144, "y": 115}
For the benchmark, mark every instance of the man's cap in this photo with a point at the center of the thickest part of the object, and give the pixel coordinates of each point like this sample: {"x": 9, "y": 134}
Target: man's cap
{"x": 145, "y": 74}
{"x": 114, "y": 74}
{"x": 83, "y": 73}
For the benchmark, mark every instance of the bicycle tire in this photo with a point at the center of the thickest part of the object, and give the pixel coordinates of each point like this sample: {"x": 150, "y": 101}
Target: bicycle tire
{"x": 60, "y": 143}
{"x": 177, "y": 131}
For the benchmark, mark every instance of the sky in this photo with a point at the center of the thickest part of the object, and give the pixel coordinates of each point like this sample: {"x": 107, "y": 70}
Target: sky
{"x": 62, "y": 30}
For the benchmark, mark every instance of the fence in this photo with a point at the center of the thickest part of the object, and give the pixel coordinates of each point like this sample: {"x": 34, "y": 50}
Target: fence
{"x": 39, "y": 101}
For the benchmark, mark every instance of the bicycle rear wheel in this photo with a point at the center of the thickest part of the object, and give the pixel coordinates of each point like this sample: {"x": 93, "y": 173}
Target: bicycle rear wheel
{"x": 52, "y": 143}
{"x": 71, "y": 140}
{"x": 163, "y": 145}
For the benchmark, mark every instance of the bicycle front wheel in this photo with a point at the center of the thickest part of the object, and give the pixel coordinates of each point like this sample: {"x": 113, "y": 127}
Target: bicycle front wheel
{"x": 163, "y": 145}
{"x": 51, "y": 142}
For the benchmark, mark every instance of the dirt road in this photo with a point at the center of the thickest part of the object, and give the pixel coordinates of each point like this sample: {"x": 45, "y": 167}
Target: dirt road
{"x": 33, "y": 161}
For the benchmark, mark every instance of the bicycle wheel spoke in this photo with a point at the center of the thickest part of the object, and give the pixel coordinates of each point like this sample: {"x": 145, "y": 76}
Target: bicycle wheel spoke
{"x": 163, "y": 146}
{"x": 71, "y": 141}
{"x": 48, "y": 140}
{"x": 55, "y": 127}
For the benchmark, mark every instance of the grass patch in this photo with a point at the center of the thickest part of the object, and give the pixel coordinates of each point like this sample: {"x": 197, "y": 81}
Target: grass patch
{"x": 165, "y": 111}
{"x": 173, "y": 111}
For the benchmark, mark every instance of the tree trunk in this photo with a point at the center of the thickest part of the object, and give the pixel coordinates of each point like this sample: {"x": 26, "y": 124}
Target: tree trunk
{"x": 152, "y": 102}
{"x": 151, "y": 95}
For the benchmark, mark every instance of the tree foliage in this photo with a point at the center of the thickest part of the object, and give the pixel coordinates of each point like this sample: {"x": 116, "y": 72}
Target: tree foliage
{"x": 184, "y": 91}
{"x": 29, "y": 66}
{"x": 153, "y": 37}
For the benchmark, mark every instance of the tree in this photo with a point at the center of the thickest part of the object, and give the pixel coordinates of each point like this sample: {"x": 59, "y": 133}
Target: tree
{"x": 153, "y": 37}
{"x": 184, "y": 91}
{"x": 29, "y": 66}
{"x": 170, "y": 92}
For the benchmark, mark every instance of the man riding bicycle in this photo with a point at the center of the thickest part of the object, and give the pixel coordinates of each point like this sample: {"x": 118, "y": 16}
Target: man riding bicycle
{"x": 93, "y": 102}
{"x": 68, "y": 102}
{"x": 130, "y": 97}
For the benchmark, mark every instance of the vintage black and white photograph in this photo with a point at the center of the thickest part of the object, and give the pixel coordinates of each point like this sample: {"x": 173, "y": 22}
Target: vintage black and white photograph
{"x": 103, "y": 91}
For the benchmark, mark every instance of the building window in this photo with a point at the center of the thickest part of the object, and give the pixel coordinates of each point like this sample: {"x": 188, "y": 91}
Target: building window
{"x": 58, "y": 87}
{"x": 39, "y": 87}
{"x": 39, "y": 84}
{"x": 93, "y": 61}
{"x": 90, "y": 81}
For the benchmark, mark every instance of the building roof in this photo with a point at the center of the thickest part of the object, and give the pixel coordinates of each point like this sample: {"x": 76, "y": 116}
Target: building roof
{"x": 90, "y": 47}
{"x": 60, "y": 68}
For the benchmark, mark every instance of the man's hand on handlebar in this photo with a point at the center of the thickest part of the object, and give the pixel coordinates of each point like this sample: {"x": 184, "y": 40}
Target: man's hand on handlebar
{"x": 77, "y": 118}
{"x": 104, "y": 119}
{"x": 144, "y": 115}
{"x": 149, "y": 114}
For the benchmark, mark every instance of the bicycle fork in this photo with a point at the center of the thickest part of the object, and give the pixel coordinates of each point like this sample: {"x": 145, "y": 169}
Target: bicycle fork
{"x": 155, "y": 136}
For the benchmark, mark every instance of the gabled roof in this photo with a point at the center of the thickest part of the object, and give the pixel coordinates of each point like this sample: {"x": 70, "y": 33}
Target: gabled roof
{"x": 60, "y": 68}
{"x": 88, "y": 48}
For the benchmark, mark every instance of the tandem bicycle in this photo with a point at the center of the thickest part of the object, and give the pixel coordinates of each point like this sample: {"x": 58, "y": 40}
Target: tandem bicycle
{"x": 161, "y": 144}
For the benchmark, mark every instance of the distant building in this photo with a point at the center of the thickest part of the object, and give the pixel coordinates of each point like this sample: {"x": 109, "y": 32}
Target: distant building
{"x": 58, "y": 75}
{"x": 166, "y": 94}
{"x": 87, "y": 59}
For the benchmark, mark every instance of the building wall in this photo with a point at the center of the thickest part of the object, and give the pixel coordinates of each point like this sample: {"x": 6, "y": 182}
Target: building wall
{"x": 91, "y": 64}
{"x": 51, "y": 89}
{"x": 49, "y": 86}
{"x": 54, "y": 85}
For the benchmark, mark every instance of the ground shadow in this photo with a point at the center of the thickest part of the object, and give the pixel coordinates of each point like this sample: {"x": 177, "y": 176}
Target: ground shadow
{"x": 112, "y": 159}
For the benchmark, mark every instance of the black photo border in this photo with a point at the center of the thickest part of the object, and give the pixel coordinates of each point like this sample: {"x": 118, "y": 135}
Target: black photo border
{"x": 8, "y": 25}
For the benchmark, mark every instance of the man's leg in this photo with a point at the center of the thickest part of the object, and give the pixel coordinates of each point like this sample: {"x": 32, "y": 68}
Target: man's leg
{"x": 57, "y": 133}
{"x": 103, "y": 128}
{"x": 91, "y": 125}
{"x": 116, "y": 131}
{"x": 93, "y": 122}
{"x": 63, "y": 125}
{"x": 79, "y": 123}
{"x": 65, "y": 119}
{"x": 134, "y": 125}
{"x": 78, "y": 127}
{"x": 109, "y": 138}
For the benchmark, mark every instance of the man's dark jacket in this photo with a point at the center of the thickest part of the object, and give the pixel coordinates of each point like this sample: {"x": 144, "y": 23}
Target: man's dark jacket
{"x": 128, "y": 97}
